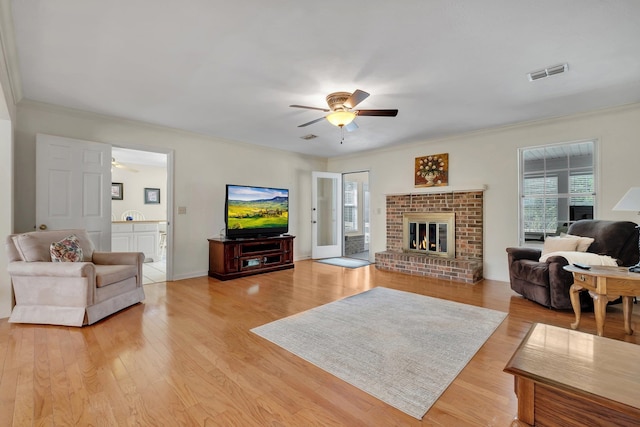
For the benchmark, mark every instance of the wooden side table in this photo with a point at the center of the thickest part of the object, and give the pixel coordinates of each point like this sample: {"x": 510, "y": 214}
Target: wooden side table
{"x": 569, "y": 378}
{"x": 604, "y": 284}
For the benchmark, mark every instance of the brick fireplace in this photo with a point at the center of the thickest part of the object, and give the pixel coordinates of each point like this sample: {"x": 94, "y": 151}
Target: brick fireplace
{"x": 407, "y": 214}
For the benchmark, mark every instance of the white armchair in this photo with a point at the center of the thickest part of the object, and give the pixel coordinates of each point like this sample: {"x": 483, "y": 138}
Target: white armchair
{"x": 70, "y": 293}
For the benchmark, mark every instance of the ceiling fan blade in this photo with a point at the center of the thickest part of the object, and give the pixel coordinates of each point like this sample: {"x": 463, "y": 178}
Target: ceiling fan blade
{"x": 351, "y": 127}
{"x": 382, "y": 113}
{"x": 356, "y": 98}
{"x": 326, "y": 110}
{"x": 311, "y": 122}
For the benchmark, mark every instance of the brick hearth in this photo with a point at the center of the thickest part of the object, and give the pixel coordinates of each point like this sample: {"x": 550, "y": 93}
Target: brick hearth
{"x": 467, "y": 265}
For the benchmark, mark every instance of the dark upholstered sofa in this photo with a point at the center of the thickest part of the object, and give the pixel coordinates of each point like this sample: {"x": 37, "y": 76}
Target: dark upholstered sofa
{"x": 547, "y": 283}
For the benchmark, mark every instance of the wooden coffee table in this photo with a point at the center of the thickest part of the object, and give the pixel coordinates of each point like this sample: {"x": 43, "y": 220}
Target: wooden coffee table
{"x": 604, "y": 284}
{"x": 570, "y": 378}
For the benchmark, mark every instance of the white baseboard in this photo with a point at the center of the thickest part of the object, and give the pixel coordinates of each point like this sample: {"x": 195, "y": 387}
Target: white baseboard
{"x": 189, "y": 275}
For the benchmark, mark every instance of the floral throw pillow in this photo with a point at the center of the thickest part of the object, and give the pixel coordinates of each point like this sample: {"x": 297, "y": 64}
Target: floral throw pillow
{"x": 66, "y": 250}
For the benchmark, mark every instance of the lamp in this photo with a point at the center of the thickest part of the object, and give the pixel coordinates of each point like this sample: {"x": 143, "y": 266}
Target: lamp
{"x": 340, "y": 118}
{"x": 631, "y": 202}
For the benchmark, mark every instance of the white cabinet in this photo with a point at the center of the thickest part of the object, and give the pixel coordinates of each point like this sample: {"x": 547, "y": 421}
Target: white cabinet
{"x": 122, "y": 238}
{"x": 136, "y": 237}
{"x": 121, "y": 242}
{"x": 145, "y": 239}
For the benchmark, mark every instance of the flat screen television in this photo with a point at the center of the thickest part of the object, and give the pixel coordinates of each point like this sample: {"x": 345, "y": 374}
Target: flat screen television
{"x": 256, "y": 211}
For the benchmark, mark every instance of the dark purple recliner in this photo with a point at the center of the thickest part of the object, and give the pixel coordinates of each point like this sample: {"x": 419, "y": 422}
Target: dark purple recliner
{"x": 547, "y": 283}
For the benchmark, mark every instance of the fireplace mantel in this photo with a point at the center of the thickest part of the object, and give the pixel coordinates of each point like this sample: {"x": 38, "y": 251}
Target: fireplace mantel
{"x": 442, "y": 190}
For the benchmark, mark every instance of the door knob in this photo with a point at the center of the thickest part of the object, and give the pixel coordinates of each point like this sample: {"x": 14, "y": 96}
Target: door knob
{"x": 43, "y": 227}
{"x": 314, "y": 222}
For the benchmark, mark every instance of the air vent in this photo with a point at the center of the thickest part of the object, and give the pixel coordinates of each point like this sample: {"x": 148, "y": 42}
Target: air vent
{"x": 549, "y": 71}
{"x": 309, "y": 136}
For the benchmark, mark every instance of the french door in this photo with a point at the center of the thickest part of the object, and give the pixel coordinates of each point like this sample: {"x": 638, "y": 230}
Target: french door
{"x": 326, "y": 215}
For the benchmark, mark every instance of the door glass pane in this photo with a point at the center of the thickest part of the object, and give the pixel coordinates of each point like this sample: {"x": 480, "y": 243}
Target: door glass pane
{"x": 432, "y": 237}
{"x": 413, "y": 237}
{"x": 422, "y": 236}
{"x": 350, "y": 199}
{"x": 442, "y": 237}
{"x": 327, "y": 230}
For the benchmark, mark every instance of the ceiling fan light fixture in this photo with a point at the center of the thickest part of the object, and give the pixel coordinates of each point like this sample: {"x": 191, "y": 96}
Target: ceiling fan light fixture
{"x": 341, "y": 118}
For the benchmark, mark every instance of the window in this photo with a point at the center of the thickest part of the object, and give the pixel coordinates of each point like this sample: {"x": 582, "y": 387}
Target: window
{"x": 365, "y": 214}
{"x": 350, "y": 206}
{"x": 557, "y": 188}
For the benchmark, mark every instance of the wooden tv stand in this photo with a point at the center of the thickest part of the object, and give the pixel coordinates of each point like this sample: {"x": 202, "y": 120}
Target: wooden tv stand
{"x": 230, "y": 259}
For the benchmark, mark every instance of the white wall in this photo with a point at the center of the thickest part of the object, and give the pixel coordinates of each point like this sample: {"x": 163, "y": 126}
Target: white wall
{"x": 9, "y": 91}
{"x": 133, "y": 184}
{"x": 6, "y": 211}
{"x": 203, "y": 166}
{"x": 490, "y": 158}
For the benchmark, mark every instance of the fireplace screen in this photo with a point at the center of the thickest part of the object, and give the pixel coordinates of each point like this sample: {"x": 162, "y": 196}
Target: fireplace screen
{"x": 431, "y": 237}
{"x": 431, "y": 234}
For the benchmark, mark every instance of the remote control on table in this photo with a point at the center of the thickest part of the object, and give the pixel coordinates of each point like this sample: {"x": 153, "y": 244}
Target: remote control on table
{"x": 582, "y": 266}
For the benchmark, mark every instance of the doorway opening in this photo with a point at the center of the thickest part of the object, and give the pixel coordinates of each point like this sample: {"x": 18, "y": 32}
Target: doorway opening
{"x": 140, "y": 212}
{"x": 356, "y": 216}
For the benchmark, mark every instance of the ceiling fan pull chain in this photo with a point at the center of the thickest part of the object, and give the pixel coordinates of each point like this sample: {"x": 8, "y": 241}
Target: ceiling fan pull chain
{"x": 342, "y": 134}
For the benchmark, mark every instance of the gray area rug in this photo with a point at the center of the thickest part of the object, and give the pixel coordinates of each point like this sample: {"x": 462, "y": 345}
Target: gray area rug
{"x": 345, "y": 262}
{"x": 400, "y": 347}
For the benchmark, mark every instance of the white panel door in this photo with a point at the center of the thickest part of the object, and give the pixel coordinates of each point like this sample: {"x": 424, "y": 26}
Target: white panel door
{"x": 326, "y": 215}
{"x": 73, "y": 187}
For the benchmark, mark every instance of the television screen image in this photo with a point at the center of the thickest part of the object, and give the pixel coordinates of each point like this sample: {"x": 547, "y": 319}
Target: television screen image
{"x": 256, "y": 211}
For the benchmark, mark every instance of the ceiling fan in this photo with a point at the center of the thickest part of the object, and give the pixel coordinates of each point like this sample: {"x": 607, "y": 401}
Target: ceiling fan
{"x": 119, "y": 165}
{"x": 341, "y": 111}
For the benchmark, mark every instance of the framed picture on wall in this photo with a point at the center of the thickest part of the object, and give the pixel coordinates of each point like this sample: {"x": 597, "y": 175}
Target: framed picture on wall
{"x": 432, "y": 170}
{"x": 151, "y": 196}
{"x": 116, "y": 191}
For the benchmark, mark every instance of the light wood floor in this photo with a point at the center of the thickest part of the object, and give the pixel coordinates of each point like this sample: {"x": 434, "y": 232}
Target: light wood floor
{"x": 186, "y": 357}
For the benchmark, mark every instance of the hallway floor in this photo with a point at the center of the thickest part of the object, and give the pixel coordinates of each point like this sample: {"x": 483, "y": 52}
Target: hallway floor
{"x": 154, "y": 272}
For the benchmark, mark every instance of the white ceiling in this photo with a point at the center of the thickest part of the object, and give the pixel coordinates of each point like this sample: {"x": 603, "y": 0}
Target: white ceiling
{"x": 128, "y": 157}
{"x": 231, "y": 69}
